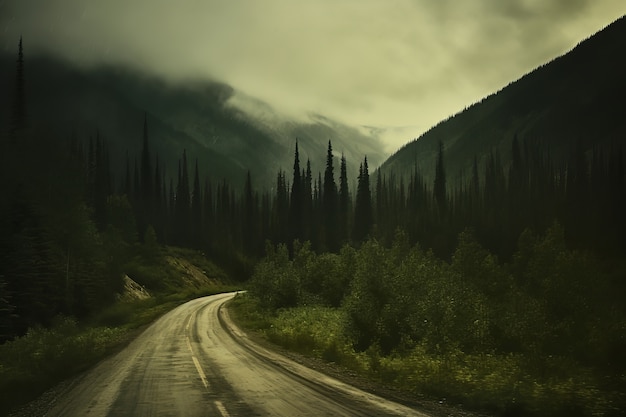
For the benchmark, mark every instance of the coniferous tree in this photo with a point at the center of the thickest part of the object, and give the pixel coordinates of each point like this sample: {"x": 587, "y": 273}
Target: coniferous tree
{"x": 18, "y": 121}
{"x": 379, "y": 200}
{"x": 577, "y": 196}
{"x": 101, "y": 182}
{"x": 172, "y": 213}
{"x": 146, "y": 184}
{"x": 493, "y": 202}
{"x": 517, "y": 192}
{"x": 196, "y": 208}
{"x": 307, "y": 205}
{"x": 329, "y": 198}
{"x": 146, "y": 166}
{"x": 250, "y": 226}
{"x": 208, "y": 220}
{"x": 317, "y": 223}
{"x": 280, "y": 214}
{"x": 474, "y": 191}
{"x": 439, "y": 187}
{"x": 344, "y": 203}
{"x": 417, "y": 207}
{"x": 91, "y": 174}
{"x": 296, "y": 200}
{"x": 363, "y": 217}
{"x": 182, "y": 201}
{"x": 222, "y": 215}
{"x": 127, "y": 184}
{"x": 136, "y": 193}
{"x": 158, "y": 209}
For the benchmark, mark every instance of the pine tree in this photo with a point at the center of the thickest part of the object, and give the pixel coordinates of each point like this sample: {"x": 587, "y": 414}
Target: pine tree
{"x": 172, "y": 219}
{"x": 363, "y": 217}
{"x": 182, "y": 202}
{"x": 280, "y": 211}
{"x": 91, "y": 174}
{"x": 18, "y": 121}
{"x": 296, "y": 200}
{"x": 146, "y": 167}
{"x": 101, "y": 182}
{"x": 307, "y": 205}
{"x": 317, "y": 223}
{"x": 417, "y": 206}
{"x": 475, "y": 184}
{"x": 379, "y": 199}
{"x": 329, "y": 199}
{"x": 136, "y": 193}
{"x": 146, "y": 184}
{"x": 158, "y": 201}
{"x": 577, "y": 195}
{"x": 517, "y": 192}
{"x": 439, "y": 187}
{"x": 196, "y": 208}
{"x": 127, "y": 185}
{"x": 208, "y": 220}
{"x": 249, "y": 223}
{"x": 344, "y": 203}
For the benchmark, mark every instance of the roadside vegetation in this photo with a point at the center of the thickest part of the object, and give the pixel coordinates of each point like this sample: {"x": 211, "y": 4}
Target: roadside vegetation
{"x": 542, "y": 335}
{"x": 47, "y": 355}
{"x": 494, "y": 316}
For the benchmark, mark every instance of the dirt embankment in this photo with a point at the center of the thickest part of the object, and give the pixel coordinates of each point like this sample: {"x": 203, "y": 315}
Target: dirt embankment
{"x": 190, "y": 274}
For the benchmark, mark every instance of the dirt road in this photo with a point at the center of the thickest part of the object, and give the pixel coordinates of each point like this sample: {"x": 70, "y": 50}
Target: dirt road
{"x": 194, "y": 361}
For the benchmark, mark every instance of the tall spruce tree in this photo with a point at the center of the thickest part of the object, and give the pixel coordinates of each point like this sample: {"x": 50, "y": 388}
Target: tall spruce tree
{"x": 249, "y": 222}
{"x": 329, "y": 198}
{"x": 158, "y": 200}
{"x": 196, "y": 208}
{"x": 344, "y": 203}
{"x": 296, "y": 200}
{"x": 182, "y": 202}
{"x": 280, "y": 211}
{"x": 127, "y": 184}
{"x": 363, "y": 216}
{"x": 307, "y": 205}
{"x": 208, "y": 220}
{"x": 439, "y": 187}
{"x": 18, "y": 120}
{"x": 146, "y": 183}
{"x": 101, "y": 182}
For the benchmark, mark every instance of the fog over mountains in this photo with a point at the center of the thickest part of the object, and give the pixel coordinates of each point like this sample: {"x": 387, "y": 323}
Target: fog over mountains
{"x": 576, "y": 97}
{"x": 229, "y": 133}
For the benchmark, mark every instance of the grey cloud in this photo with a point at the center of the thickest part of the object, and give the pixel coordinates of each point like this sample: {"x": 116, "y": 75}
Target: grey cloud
{"x": 386, "y": 64}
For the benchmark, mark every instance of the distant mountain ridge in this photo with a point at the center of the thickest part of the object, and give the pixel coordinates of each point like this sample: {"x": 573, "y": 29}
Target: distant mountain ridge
{"x": 579, "y": 96}
{"x": 197, "y": 116}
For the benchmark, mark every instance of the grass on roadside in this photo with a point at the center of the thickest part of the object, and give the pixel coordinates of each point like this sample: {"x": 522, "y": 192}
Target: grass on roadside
{"x": 43, "y": 357}
{"x": 499, "y": 384}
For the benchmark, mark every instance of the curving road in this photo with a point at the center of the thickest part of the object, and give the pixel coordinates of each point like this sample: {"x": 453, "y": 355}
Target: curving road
{"x": 194, "y": 361}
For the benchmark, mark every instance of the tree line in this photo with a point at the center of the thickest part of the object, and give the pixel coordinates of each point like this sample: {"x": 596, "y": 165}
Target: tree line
{"x": 65, "y": 208}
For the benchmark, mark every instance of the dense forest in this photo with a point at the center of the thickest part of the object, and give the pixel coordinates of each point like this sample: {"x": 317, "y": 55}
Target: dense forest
{"x": 572, "y": 98}
{"x": 523, "y": 261}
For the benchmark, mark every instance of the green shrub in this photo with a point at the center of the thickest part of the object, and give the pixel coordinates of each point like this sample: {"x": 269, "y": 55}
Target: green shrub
{"x": 29, "y": 364}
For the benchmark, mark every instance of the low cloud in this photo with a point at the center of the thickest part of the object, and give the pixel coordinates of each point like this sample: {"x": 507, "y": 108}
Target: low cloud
{"x": 366, "y": 63}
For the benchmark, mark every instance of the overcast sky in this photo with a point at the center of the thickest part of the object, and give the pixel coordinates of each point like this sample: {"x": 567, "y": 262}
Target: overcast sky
{"x": 397, "y": 66}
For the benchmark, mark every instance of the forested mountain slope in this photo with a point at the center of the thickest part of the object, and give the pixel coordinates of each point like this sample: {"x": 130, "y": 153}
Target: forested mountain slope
{"x": 198, "y": 116}
{"x": 576, "y": 97}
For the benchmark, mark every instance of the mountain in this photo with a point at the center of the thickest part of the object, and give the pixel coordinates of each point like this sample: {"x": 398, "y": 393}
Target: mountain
{"x": 578, "y": 97}
{"x": 228, "y": 132}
